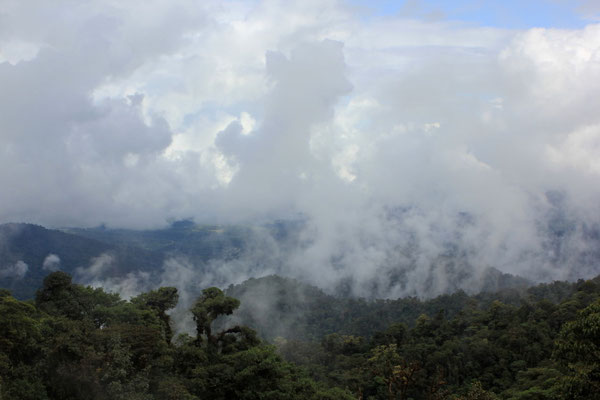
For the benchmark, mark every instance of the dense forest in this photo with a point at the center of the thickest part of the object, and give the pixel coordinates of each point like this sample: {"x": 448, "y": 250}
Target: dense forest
{"x": 77, "y": 342}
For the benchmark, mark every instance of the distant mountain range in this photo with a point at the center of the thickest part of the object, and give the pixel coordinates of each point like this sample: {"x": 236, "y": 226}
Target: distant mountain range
{"x": 38, "y": 251}
{"x": 29, "y": 252}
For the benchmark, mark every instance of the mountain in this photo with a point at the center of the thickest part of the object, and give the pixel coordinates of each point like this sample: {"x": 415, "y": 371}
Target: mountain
{"x": 222, "y": 254}
{"x": 29, "y": 252}
{"x": 198, "y": 243}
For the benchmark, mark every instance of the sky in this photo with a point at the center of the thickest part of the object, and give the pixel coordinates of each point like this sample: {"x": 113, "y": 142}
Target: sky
{"x": 509, "y": 14}
{"x": 379, "y": 123}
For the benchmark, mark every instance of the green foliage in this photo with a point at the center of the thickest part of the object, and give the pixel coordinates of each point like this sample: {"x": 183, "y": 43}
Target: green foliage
{"x": 60, "y": 297}
{"x": 578, "y": 349}
{"x": 533, "y": 349}
{"x": 209, "y": 306}
{"x": 476, "y": 392}
{"x": 76, "y": 343}
{"x": 535, "y": 383}
{"x": 391, "y": 371}
{"x": 160, "y": 301}
{"x": 294, "y": 310}
{"x": 20, "y": 351}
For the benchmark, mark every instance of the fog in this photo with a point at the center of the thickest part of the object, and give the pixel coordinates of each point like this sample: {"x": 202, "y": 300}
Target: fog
{"x": 403, "y": 144}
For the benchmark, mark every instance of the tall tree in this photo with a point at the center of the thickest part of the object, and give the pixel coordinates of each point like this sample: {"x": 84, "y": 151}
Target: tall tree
{"x": 209, "y": 306}
{"x": 160, "y": 300}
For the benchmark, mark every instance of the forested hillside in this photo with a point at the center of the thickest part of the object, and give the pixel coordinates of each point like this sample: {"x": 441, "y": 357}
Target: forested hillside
{"x": 29, "y": 252}
{"x": 74, "y": 342}
{"x": 536, "y": 349}
{"x": 199, "y": 243}
{"x": 278, "y": 306}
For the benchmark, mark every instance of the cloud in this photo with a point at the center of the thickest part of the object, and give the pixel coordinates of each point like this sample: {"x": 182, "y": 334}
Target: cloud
{"x": 51, "y": 263}
{"x": 128, "y": 286}
{"x": 98, "y": 267}
{"x": 589, "y": 9}
{"x": 392, "y": 139}
{"x": 101, "y": 273}
{"x": 16, "y": 271}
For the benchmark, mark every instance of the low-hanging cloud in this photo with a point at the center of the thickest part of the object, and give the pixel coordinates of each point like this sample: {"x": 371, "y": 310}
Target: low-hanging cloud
{"x": 101, "y": 273}
{"x": 51, "y": 263}
{"x": 17, "y": 270}
{"x": 412, "y": 151}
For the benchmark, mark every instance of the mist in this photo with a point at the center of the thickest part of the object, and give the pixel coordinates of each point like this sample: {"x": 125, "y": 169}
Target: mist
{"x": 416, "y": 153}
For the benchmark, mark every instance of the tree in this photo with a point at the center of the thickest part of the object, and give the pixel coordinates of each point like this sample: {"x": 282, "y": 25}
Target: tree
{"x": 20, "y": 351}
{"x": 476, "y": 392}
{"x": 59, "y": 296}
{"x": 210, "y": 305}
{"x": 578, "y": 349}
{"x": 161, "y": 300}
{"x": 389, "y": 368}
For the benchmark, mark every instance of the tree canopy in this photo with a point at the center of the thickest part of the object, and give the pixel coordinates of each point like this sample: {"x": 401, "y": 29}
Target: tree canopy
{"x": 74, "y": 342}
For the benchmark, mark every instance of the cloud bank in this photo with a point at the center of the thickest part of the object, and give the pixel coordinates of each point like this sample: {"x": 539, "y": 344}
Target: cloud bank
{"x": 399, "y": 142}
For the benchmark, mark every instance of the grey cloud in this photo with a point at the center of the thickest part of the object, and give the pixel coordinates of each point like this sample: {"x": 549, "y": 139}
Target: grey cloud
{"x": 277, "y": 155}
{"x": 16, "y": 271}
{"x": 589, "y": 9}
{"x": 51, "y": 263}
{"x": 98, "y": 267}
{"x": 100, "y": 273}
{"x": 86, "y": 155}
{"x": 399, "y": 144}
{"x": 132, "y": 284}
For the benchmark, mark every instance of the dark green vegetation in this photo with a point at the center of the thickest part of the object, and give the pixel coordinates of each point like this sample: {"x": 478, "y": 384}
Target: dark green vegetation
{"x": 542, "y": 343}
{"x": 277, "y": 306}
{"x": 76, "y": 342}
